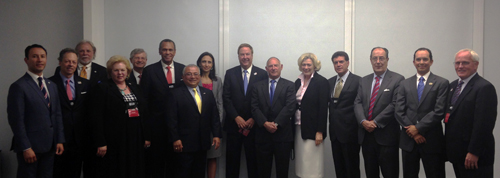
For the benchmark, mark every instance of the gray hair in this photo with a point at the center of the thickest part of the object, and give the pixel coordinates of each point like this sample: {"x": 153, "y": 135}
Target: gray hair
{"x": 473, "y": 54}
{"x": 190, "y": 65}
{"x": 137, "y": 51}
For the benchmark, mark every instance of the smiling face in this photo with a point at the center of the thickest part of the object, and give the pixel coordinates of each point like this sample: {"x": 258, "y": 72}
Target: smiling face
{"x": 246, "y": 57}
{"x": 167, "y": 52}
{"x": 422, "y": 62}
{"x": 36, "y": 61}
{"x": 340, "y": 65}
{"x": 139, "y": 61}
{"x": 191, "y": 76}
{"x": 68, "y": 64}
{"x": 274, "y": 68}
{"x": 206, "y": 64}
{"x": 85, "y": 53}
{"x": 307, "y": 67}
{"x": 379, "y": 61}
{"x": 464, "y": 65}
{"x": 119, "y": 72}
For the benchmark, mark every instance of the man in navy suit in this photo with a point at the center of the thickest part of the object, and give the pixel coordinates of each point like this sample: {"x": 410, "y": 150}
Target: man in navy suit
{"x": 239, "y": 122}
{"x": 157, "y": 81}
{"x": 138, "y": 59}
{"x": 343, "y": 125}
{"x": 419, "y": 109}
{"x": 470, "y": 118}
{"x": 193, "y": 116}
{"x": 378, "y": 131}
{"x": 34, "y": 115}
{"x": 86, "y": 68}
{"x": 73, "y": 97}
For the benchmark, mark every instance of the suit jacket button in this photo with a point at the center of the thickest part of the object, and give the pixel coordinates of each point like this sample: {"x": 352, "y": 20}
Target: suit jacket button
{"x": 71, "y": 103}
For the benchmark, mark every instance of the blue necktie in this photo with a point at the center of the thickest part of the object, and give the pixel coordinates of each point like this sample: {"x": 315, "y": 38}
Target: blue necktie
{"x": 245, "y": 81}
{"x": 271, "y": 92}
{"x": 457, "y": 92}
{"x": 420, "y": 87}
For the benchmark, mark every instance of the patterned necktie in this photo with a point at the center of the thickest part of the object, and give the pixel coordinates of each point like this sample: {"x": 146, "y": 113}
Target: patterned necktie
{"x": 169, "y": 75}
{"x": 457, "y": 93}
{"x": 374, "y": 96}
{"x": 271, "y": 92}
{"x": 44, "y": 91}
{"x": 245, "y": 81}
{"x": 338, "y": 88}
{"x": 420, "y": 87}
{"x": 198, "y": 99}
{"x": 83, "y": 73}
{"x": 68, "y": 90}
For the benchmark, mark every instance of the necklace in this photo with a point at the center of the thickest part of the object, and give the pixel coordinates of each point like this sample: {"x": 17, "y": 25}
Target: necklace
{"x": 122, "y": 90}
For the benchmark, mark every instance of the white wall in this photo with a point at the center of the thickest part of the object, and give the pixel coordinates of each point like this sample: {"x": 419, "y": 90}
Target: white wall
{"x": 55, "y": 25}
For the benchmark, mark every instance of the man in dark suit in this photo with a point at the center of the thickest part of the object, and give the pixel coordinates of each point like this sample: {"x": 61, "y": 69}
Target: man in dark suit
{"x": 378, "y": 132}
{"x": 273, "y": 104}
{"x": 138, "y": 59}
{"x": 470, "y": 119}
{"x": 34, "y": 115}
{"x": 156, "y": 82}
{"x": 73, "y": 98}
{"x": 238, "y": 84}
{"x": 419, "y": 109}
{"x": 86, "y": 68}
{"x": 193, "y": 116}
{"x": 343, "y": 125}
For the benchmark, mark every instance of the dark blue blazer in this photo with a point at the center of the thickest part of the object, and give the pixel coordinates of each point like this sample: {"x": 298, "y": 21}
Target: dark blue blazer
{"x": 34, "y": 124}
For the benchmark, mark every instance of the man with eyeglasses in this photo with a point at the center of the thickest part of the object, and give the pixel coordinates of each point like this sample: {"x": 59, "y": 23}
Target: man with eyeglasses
{"x": 374, "y": 110}
{"x": 420, "y": 106}
{"x": 470, "y": 118}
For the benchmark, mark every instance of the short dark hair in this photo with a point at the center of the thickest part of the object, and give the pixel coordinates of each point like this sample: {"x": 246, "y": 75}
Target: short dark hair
{"x": 211, "y": 75}
{"x": 242, "y": 45}
{"x": 378, "y": 47}
{"x": 340, "y": 53}
{"x": 27, "y": 50}
{"x": 166, "y": 40}
{"x": 423, "y": 49}
{"x": 64, "y": 51}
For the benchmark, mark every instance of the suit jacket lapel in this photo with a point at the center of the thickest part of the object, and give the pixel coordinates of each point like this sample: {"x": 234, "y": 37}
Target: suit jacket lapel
{"x": 35, "y": 87}
{"x": 239, "y": 79}
{"x": 465, "y": 91}
{"x": 277, "y": 91}
{"x": 413, "y": 89}
{"x": 385, "y": 82}
{"x": 161, "y": 75}
{"x": 346, "y": 86}
{"x": 428, "y": 85}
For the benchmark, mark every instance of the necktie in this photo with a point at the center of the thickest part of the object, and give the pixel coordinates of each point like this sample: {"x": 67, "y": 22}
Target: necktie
{"x": 139, "y": 82}
{"x": 338, "y": 88}
{"x": 198, "y": 99}
{"x": 83, "y": 73}
{"x": 456, "y": 93}
{"x": 420, "y": 87}
{"x": 169, "y": 75}
{"x": 374, "y": 95}
{"x": 271, "y": 92}
{"x": 245, "y": 81}
{"x": 44, "y": 91}
{"x": 68, "y": 90}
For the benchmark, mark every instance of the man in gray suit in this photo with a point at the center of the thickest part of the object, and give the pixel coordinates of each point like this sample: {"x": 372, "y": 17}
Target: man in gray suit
{"x": 420, "y": 107}
{"x": 374, "y": 110}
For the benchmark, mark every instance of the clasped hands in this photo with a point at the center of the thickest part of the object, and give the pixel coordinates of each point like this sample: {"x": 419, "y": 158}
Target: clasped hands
{"x": 412, "y": 131}
{"x": 242, "y": 124}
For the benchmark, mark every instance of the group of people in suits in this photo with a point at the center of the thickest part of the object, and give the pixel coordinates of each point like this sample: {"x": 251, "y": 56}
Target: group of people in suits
{"x": 166, "y": 119}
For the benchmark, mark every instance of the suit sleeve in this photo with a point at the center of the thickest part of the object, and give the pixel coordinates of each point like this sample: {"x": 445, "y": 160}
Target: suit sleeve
{"x": 98, "y": 108}
{"x": 258, "y": 115}
{"x": 323, "y": 106}
{"x": 172, "y": 118}
{"x": 485, "y": 114}
{"x": 218, "y": 99}
{"x": 288, "y": 110}
{"x": 58, "y": 115}
{"x": 358, "y": 104}
{"x": 387, "y": 115}
{"x": 400, "y": 108}
{"x": 15, "y": 111}
{"x": 434, "y": 117}
{"x": 228, "y": 103}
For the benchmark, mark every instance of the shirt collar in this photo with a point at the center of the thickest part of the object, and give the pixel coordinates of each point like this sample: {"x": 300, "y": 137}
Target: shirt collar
{"x": 80, "y": 65}
{"x": 34, "y": 76}
{"x": 277, "y": 79}
{"x": 381, "y": 76}
{"x": 164, "y": 65}
{"x": 301, "y": 75}
{"x": 467, "y": 79}
{"x": 249, "y": 69}
{"x": 64, "y": 78}
{"x": 344, "y": 77}
{"x": 426, "y": 76}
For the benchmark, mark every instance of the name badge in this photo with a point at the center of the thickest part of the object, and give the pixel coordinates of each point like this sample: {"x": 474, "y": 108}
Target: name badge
{"x": 451, "y": 107}
{"x": 335, "y": 101}
{"x": 133, "y": 112}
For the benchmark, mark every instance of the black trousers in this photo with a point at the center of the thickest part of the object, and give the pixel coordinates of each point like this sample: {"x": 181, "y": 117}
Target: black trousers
{"x": 433, "y": 163}
{"x": 41, "y": 168}
{"x": 191, "y": 164}
{"x": 160, "y": 157}
{"x": 346, "y": 159}
{"x": 233, "y": 152}
{"x": 266, "y": 151}
{"x": 483, "y": 171}
{"x": 69, "y": 164}
{"x": 379, "y": 157}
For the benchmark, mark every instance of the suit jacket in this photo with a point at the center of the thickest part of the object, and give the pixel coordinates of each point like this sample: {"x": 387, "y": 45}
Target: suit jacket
{"x": 35, "y": 125}
{"x": 74, "y": 113}
{"x": 156, "y": 92}
{"x": 131, "y": 78}
{"x": 97, "y": 75}
{"x": 314, "y": 107}
{"x": 471, "y": 122}
{"x": 387, "y": 131}
{"x": 190, "y": 126}
{"x": 236, "y": 103}
{"x": 217, "y": 91}
{"x": 426, "y": 115}
{"x": 343, "y": 123}
{"x": 280, "y": 112}
{"x": 109, "y": 113}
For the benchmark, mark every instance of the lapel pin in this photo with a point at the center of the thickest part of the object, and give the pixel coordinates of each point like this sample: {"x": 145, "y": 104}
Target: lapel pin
{"x": 79, "y": 82}
{"x": 387, "y": 89}
{"x": 95, "y": 71}
{"x": 255, "y": 73}
{"x": 203, "y": 92}
{"x": 430, "y": 83}
{"x": 451, "y": 89}
{"x": 48, "y": 82}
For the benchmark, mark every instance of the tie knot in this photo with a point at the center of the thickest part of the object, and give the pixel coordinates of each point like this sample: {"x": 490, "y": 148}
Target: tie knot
{"x": 67, "y": 81}
{"x": 194, "y": 89}
{"x": 140, "y": 75}
{"x": 340, "y": 80}
{"x": 422, "y": 79}
{"x": 40, "y": 79}
{"x": 168, "y": 67}
{"x": 245, "y": 71}
{"x": 378, "y": 78}
{"x": 273, "y": 81}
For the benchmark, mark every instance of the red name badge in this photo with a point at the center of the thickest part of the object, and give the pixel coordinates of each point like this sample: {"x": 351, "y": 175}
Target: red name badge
{"x": 446, "y": 117}
{"x": 245, "y": 132}
{"x": 133, "y": 112}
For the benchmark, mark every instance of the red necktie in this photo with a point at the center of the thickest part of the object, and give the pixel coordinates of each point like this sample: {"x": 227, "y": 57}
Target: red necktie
{"x": 169, "y": 75}
{"x": 68, "y": 90}
{"x": 140, "y": 78}
{"x": 374, "y": 96}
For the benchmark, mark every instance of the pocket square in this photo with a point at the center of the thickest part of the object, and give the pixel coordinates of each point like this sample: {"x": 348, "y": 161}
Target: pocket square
{"x": 83, "y": 92}
{"x": 386, "y": 90}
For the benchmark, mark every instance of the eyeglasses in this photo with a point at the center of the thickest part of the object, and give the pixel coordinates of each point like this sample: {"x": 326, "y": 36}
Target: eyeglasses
{"x": 381, "y": 58}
